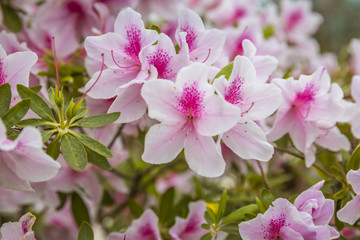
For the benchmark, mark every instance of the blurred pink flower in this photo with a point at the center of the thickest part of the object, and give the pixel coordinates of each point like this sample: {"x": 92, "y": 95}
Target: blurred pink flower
{"x": 19, "y": 230}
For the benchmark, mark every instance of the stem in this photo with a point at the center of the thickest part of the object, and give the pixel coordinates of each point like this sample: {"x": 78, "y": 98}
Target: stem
{"x": 118, "y": 133}
{"x": 56, "y": 67}
{"x": 266, "y": 182}
{"x": 61, "y": 117}
{"x": 303, "y": 158}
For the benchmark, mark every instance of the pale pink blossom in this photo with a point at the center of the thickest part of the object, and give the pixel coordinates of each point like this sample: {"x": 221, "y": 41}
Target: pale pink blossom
{"x": 350, "y": 212}
{"x": 19, "y": 230}
{"x": 308, "y": 105}
{"x": 355, "y": 53}
{"x": 256, "y": 101}
{"x": 355, "y": 93}
{"x": 144, "y": 228}
{"x": 283, "y": 220}
{"x": 189, "y": 112}
{"x": 23, "y": 160}
{"x": 202, "y": 45}
{"x": 190, "y": 228}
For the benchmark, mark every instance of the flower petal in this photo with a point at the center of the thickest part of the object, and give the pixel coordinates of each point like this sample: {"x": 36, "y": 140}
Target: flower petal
{"x": 350, "y": 213}
{"x": 10, "y": 180}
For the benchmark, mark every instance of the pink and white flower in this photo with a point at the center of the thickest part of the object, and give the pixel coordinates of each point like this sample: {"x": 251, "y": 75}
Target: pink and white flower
{"x": 255, "y": 101}
{"x": 355, "y": 93}
{"x": 144, "y": 228}
{"x": 19, "y": 230}
{"x": 23, "y": 160}
{"x": 189, "y": 112}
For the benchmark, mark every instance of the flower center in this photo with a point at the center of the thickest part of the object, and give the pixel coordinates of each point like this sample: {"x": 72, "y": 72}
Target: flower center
{"x": 133, "y": 47}
{"x": 190, "y": 37}
{"x": 190, "y": 102}
{"x": 233, "y": 93}
{"x": 160, "y": 60}
{"x": 272, "y": 231}
{"x": 306, "y": 97}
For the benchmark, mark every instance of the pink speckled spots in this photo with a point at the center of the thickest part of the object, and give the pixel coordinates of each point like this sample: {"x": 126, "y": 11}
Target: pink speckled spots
{"x": 161, "y": 61}
{"x": 190, "y": 102}
{"x": 306, "y": 97}
{"x": 294, "y": 18}
{"x": 233, "y": 93}
{"x": 273, "y": 229}
{"x": 2, "y": 74}
{"x": 133, "y": 35}
{"x": 190, "y": 37}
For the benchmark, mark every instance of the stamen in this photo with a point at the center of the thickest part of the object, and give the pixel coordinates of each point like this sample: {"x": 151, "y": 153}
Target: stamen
{"x": 112, "y": 56}
{"x": 102, "y": 68}
{"x": 307, "y": 114}
{"x": 252, "y": 104}
{"x": 207, "y": 56}
{"x": 56, "y": 66}
{"x": 327, "y": 128}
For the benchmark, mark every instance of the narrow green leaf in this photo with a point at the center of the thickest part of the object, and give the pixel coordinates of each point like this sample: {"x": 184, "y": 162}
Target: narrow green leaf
{"x": 93, "y": 144}
{"x": 16, "y": 113}
{"x": 240, "y": 213}
{"x": 205, "y": 226}
{"x": 37, "y": 104}
{"x": 97, "y": 159}
{"x": 226, "y": 71}
{"x": 35, "y": 122}
{"x": 222, "y": 205}
{"x": 79, "y": 209}
{"x": 53, "y": 148}
{"x": 166, "y": 205}
{"x": 74, "y": 152}
{"x": 267, "y": 197}
{"x": 13, "y": 134}
{"x": 260, "y": 205}
{"x": 331, "y": 186}
{"x": 211, "y": 214}
{"x": 52, "y": 103}
{"x": 354, "y": 162}
{"x": 340, "y": 194}
{"x": 11, "y": 18}
{"x": 85, "y": 232}
{"x": 232, "y": 229}
{"x": 338, "y": 174}
{"x": 5, "y": 99}
{"x": 46, "y": 135}
{"x": 62, "y": 197}
{"x": 36, "y": 88}
{"x": 156, "y": 28}
{"x": 206, "y": 236}
{"x": 97, "y": 120}
{"x": 135, "y": 208}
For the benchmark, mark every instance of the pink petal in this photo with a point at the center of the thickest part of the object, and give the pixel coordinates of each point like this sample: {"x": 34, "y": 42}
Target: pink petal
{"x": 355, "y": 88}
{"x": 216, "y": 111}
{"x": 248, "y": 141}
{"x": 333, "y": 139}
{"x": 11, "y": 231}
{"x": 160, "y": 95}
{"x": 265, "y": 66}
{"x": 350, "y": 213}
{"x": 10, "y": 180}
{"x": 130, "y": 103}
{"x": 163, "y": 143}
{"x": 353, "y": 177}
{"x": 202, "y": 156}
{"x": 244, "y": 69}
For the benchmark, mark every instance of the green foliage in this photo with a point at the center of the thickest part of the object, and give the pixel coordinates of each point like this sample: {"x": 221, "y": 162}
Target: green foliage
{"x": 222, "y": 206}
{"x": 135, "y": 208}
{"x": 354, "y": 162}
{"x": 240, "y": 213}
{"x": 5, "y": 99}
{"x": 226, "y": 71}
{"x": 74, "y": 152}
{"x": 97, "y": 159}
{"x": 92, "y": 144}
{"x": 53, "y": 148}
{"x": 16, "y": 113}
{"x": 97, "y": 120}
{"x": 11, "y": 18}
{"x": 85, "y": 232}
{"x": 79, "y": 209}
{"x": 166, "y": 206}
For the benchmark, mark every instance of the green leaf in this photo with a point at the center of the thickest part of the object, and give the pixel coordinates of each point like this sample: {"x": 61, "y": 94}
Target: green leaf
{"x": 340, "y": 194}
{"x": 46, "y": 135}
{"x": 354, "y": 162}
{"x": 226, "y": 71}
{"x": 331, "y": 186}
{"x": 16, "y": 113}
{"x": 36, "y": 88}
{"x": 79, "y": 209}
{"x": 135, "y": 208}
{"x": 35, "y": 122}
{"x": 74, "y": 152}
{"x": 267, "y": 197}
{"x": 211, "y": 214}
{"x": 166, "y": 205}
{"x": 338, "y": 174}
{"x": 52, "y": 102}
{"x": 5, "y": 99}
{"x": 11, "y": 18}
{"x": 97, "y": 120}
{"x": 53, "y": 148}
{"x": 62, "y": 197}
{"x": 156, "y": 28}
{"x": 232, "y": 229}
{"x": 206, "y": 236}
{"x": 93, "y": 144}
{"x": 240, "y": 213}
{"x": 85, "y": 232}
{"x": 260, "y": 205}
{"x": 37, "y": 104}
{"x": 222, "y": 205}
{"x": 97, "y": 159}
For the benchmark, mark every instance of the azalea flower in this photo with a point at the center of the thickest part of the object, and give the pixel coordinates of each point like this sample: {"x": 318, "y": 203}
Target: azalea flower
{"x": 144, "y": 228}
{"x": 255, "y": 101}
{"x": 19, "y": 230}
{"x": 23, "y": 160}
{"x": 283, "y": 220}
{"x": 350, "y": 212}
{"x": 189, "y": 112}
{"x": 355, "y": 93}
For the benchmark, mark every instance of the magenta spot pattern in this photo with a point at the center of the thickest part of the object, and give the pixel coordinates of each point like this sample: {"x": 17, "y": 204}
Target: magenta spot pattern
{"x": 147, "y": 230}
{"x": 161, "y": 61}
{"x": 272, "y": 231}
{"x": 306, "y": 97}
{"x": 133, "y": 47}
{"x": 2, "y": 74}
{"x": 233, "y": 93}
{"x": 294, "y": 19}
{"x": 190, "y": 37}
{"x": 190, "y": 101}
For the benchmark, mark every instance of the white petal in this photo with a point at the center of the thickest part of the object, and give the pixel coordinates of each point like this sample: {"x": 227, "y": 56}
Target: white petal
{"x": 350, "y": 213}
